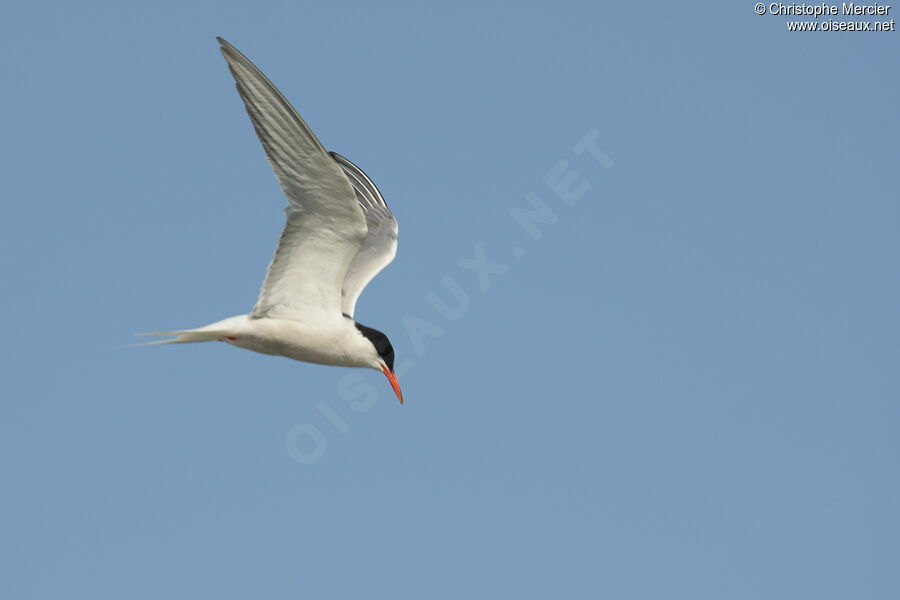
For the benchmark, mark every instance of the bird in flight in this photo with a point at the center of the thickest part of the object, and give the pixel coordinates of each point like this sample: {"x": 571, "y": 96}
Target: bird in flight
{"x": 338, "y": 236}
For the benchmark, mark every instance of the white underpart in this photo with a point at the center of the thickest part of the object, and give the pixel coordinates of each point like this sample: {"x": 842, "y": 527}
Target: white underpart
{"x": 340, "y": 345}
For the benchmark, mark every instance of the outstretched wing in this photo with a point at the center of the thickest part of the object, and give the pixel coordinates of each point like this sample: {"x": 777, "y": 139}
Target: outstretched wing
{"x": 380, "y": 246}
{"x": 325, "y": 225}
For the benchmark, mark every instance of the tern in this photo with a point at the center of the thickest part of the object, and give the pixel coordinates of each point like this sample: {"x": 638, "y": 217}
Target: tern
{"x": 338, "y": 236}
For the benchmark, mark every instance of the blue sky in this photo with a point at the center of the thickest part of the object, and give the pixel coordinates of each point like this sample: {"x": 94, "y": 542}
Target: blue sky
{"x": 685, "y": 387}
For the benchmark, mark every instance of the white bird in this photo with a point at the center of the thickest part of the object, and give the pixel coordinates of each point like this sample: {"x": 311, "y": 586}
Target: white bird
{"x": 339, "y": 235}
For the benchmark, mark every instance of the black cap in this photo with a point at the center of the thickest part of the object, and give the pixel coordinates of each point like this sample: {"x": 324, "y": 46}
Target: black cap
{"x": 381, "y": 342}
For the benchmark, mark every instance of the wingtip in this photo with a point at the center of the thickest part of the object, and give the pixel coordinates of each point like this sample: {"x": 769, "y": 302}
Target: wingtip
{"x": 226, "y": 48}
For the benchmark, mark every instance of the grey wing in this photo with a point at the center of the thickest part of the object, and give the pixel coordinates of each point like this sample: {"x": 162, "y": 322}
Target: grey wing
{"x": 380, "y": 245}
{"x": 325, "y": 226}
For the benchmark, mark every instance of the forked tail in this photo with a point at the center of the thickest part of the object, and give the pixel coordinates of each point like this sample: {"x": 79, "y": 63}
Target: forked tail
{"x": 208, "y": 333}
{"x": 187, "y": 336}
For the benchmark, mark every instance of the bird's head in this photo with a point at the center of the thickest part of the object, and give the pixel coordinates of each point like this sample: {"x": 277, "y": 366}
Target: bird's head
{"x": 383, "y": 356}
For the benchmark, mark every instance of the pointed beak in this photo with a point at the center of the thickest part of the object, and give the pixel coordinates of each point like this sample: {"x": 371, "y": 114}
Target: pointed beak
{"x": 393, "y": 379}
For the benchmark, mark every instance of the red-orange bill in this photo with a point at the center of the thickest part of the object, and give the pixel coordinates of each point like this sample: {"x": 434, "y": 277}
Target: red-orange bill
{"x": 394, "y": 384}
